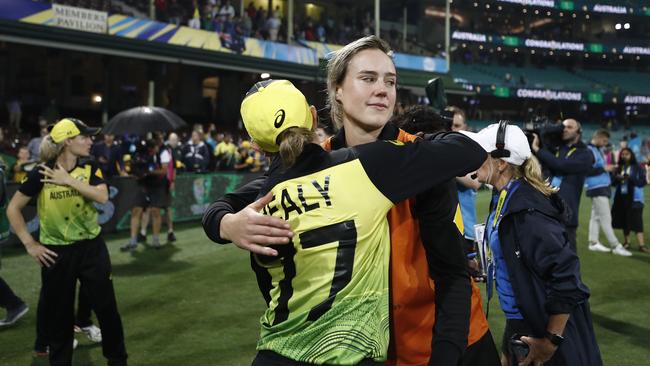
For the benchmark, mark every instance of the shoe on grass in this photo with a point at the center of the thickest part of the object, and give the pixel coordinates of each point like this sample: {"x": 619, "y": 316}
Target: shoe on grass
{"x": 142, "y": 238}
{"x": 171, "y": 237}
{"x": 597, "y": 247}
{"x": 14, "y": 314}
{"x": 128, "y": 247}
{"x": 619, "y": 250}
{"x": 92, "y": 332}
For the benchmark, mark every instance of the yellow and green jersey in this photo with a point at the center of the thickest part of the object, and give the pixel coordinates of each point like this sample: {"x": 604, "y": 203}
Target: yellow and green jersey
{"x": 327, "y": 293}
{"x": 65, "y": 215}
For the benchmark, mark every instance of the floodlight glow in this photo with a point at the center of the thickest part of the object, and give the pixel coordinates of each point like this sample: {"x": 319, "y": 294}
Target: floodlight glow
{"x": 627, "y": 26}
{"x": 265, "y": 75}
{"x": 617, "y": 26}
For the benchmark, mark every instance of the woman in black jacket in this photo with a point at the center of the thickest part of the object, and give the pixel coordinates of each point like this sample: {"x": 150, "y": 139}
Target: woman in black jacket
{"x": 537, "y": 274}
{"x": 627, "y": 209}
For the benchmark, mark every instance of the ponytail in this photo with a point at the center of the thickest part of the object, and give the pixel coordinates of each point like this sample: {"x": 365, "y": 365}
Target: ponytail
{"x": 49, "y": 150}
{"x": 532, "y": 172}
{"x": 292, "y": 143}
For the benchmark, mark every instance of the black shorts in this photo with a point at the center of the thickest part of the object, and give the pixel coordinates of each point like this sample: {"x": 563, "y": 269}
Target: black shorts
{"x": 635, "y": 220}
{"x": 159, "y": 196}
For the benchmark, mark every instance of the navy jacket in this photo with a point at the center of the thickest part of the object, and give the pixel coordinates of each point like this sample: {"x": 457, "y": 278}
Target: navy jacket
{"x": 545, "y": 274}
{"x": 573, "y": 168}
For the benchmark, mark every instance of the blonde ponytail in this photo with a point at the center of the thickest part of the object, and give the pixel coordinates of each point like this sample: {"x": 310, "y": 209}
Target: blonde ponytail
{"x": 292, "y": 142}
{"x": 49, "y": 150}
{"x": 532, "y": 172}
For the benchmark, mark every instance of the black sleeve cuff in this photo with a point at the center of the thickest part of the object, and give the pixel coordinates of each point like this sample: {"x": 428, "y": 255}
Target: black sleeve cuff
{"x": 211, "y": 223}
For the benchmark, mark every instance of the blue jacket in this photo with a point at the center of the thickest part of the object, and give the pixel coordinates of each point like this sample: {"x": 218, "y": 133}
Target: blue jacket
{"x": 598, "y": 180}
{"x": 572, "y": 164}
{"x": 545, "y": 274}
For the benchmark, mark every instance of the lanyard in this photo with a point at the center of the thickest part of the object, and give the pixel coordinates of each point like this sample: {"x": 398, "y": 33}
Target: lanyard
{"x": 502, "y": 202}
{"x": 571, "y": 151}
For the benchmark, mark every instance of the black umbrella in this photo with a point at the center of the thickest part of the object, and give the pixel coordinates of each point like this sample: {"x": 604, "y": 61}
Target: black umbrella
{"x": 142, "y": 120}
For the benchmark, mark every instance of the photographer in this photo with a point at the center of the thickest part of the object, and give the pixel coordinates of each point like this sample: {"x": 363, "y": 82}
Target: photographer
{"x": 151, "y": 172}
{"x": 567, "y": 165}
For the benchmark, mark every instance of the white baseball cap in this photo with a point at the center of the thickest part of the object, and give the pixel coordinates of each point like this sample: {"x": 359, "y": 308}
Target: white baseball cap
{"x": 515, "y": 142}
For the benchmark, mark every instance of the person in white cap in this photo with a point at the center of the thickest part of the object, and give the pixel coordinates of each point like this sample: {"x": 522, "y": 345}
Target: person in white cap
{"x": 537, "y": 274}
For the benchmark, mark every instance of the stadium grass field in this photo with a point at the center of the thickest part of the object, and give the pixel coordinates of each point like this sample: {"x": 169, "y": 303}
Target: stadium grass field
{"x": 196, "y": 303}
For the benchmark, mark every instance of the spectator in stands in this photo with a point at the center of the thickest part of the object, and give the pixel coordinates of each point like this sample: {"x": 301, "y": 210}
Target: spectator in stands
{"x": 598, "y": 188}
{"x": 251, "y": 11}
{"x": 196, "y": 155}
{"x": 627, "y": 209}
{"x": 568, "y": 165}
{"x": 225, "y": 153}
{"x": 175, "y": 12}
{"x": 22, "y": 165}
{"x": 227, "y": 10}
{"x": 195, "y": 21}
{"x": 14, "y": 107}
{"x": 273, "y": 27}
{"x": 108, "y": 155}
{"x": 35, "y": 143}
{"x": 537, "y": 273}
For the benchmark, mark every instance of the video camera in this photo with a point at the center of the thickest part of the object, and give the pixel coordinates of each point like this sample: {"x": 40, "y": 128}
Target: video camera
{"x": 142, "y": 161}
{"x": 549, "y": 132}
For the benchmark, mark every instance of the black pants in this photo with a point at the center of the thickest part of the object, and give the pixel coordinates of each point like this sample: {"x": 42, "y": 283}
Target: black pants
{"x": 82, "y": 320}
{"x": 269, "y": 358}
{"x": 86, "y": 261}
{"x": 572, "y": 236}
{"x": 8, "y": 298}
{"x": 482, "y": 353}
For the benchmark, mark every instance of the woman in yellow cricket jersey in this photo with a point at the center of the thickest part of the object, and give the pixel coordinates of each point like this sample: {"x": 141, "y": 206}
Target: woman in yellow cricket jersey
{"x": 327, "y": 292}
{"x": 70, "y": 246}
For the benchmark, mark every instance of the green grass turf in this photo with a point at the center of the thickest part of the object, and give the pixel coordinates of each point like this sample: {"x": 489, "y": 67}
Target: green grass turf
{"x": 196, "y": 303}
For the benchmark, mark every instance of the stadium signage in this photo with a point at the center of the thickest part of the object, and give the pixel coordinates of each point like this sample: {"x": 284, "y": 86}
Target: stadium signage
{"x": 634, "y": 50}
{"x": 637, "y": 99}
{"x": 467, "y": 36}
{"x": 554, "y": 45}
{"x": 544, "y": 3}
{"x": 549, "y": 94}
{"x": 613, "y": 9}
{"x": 80, "y": 19}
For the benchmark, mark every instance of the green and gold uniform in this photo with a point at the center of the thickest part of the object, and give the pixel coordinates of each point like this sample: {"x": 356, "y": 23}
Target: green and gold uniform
{"x": 65, "y": 215}
{"x": 68, "y": 227}
{"x": 327, "y": 293}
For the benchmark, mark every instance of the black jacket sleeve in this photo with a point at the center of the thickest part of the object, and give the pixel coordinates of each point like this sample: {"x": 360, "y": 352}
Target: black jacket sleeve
{"x": 580, "y": 162}
{"x": 545, "y": 251}
{"x": 443, "y": 244}
{"x": 230, "y": 203}
{"x": 638, "y": 177}
{"x": 402, "y": 170}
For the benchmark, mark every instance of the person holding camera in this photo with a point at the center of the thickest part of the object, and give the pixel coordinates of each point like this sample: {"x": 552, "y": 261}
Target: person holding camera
{"x": 568, "y": 166}
{"x": 150, "y": 167}
{"x": 536, "y": 272}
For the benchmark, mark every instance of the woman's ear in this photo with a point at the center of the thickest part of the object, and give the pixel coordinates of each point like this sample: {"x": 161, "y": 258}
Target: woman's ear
{"x": 314, "y": 117}
{"x": 502, "y": 165}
